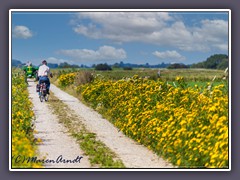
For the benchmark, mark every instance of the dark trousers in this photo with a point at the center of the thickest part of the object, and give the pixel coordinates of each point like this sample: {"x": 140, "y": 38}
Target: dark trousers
{"x": 46, "y": 80}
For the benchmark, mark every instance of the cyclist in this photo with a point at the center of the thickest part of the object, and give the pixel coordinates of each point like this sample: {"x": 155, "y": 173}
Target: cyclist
{"x": 43, "y": 73}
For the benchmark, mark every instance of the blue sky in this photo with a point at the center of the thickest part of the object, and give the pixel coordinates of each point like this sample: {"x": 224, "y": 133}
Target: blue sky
{"x": 108, "y": 37}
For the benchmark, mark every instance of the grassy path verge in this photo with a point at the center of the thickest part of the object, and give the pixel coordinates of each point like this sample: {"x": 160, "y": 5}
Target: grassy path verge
{"x": 99, "y": 154}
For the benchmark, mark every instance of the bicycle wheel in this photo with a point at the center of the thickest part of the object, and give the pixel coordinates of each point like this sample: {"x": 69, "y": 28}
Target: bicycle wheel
{"x": 41, "y": 97}
{"x": 46, "y": 97}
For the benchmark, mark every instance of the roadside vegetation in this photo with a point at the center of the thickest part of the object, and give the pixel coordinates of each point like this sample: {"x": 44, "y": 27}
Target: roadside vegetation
{"x": 182, "y": 118}
{"x": 190, "y": 75}
{"x": 24, "y": 145}
{"x": 100, "y": 156}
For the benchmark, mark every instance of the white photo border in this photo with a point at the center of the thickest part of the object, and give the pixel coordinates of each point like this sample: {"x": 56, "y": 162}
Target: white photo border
{"x": 115, "y": 10}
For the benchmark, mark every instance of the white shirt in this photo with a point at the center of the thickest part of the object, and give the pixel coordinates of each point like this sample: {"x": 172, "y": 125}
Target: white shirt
{"x": 43, "y": 70}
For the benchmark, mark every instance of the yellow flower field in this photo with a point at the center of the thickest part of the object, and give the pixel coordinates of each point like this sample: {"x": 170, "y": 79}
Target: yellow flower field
{"x": 66, "y": 79}
{"x": 186, "y": 125}
{"x": 23, "y": 145}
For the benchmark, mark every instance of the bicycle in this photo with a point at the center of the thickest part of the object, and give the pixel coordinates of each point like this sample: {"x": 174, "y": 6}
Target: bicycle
{"x": 41, "y": 88}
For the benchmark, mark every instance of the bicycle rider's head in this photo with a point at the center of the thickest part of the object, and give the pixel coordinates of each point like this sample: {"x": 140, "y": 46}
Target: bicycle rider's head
{"x": 44, "y": 62}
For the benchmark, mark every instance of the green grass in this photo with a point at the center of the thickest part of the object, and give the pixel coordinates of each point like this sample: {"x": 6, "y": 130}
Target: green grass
{"x": 98, "y": 153}
{"x": 194, "y": 75}
{"x": 197, "y": 78}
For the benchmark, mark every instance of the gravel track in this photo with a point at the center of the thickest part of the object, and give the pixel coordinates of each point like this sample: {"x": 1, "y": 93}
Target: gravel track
{"x": 56, "y": 142}
{"x": 131, "y": 153}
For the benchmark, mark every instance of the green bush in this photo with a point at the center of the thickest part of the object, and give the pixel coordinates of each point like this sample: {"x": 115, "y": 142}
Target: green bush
{"x": 103, "y": 67}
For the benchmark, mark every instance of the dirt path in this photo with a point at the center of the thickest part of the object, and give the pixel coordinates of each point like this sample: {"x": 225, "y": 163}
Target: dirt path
{"x": 131, "y": 153}
{"x": 56, "y": 144}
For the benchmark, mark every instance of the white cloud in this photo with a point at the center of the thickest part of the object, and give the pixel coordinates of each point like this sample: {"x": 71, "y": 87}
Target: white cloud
{"x": 57, "y": 61}
{"x": 121, "y": 26}
{"x": 22, "y": 32}
{"x": 106, "y": 53}
{"x": 169, "y": 55}
{"x": 221, "y": 46}
{"x": 212, "y": 34}
{"x": 159, "y": 28}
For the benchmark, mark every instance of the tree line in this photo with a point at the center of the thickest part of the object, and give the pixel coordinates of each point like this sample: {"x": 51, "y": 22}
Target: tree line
{"x": 216, "y": 61}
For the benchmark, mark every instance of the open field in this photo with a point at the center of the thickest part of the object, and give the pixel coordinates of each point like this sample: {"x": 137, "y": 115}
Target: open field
{"x": 165, "y": 74}
{"x": 182, "y": 116}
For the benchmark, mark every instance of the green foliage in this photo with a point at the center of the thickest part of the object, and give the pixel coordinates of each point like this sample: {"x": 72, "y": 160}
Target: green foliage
{"x": 103, "y": 67}
{"x": 223, "y": 64}
{"x": 83, "y": 77}
{"x": 177, "y": 66}
{"x": 189, "y": 74}
{"x": 98, "y": 153}
{"x": 186, "y": 125}
{"x": 23, "y": 142}
{"x": 66, "y": 79}
{"x": 66, "y": 65}
{"x": 127, "y": 68}
{"x": 217, "y": 61}
{"x": 131, "y": 102}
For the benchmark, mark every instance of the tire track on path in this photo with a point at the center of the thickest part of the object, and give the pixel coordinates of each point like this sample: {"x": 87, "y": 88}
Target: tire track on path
{"x": 131, "y": 153}
{"x": 55, "y": 140}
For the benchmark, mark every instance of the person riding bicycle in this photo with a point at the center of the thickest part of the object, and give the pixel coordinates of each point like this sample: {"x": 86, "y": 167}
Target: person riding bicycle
{"x": 43, "y": 74}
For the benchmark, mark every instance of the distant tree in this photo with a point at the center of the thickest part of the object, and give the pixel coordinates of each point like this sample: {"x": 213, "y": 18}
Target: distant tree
{"x": 216, "y": 61}
{"x": 116, "y": 65}
{"x": 52, "y": 65}
{"x": 74, "y": 66}
{"x": 223, "y": 64}
{"x": 121, "y": 64}
{"x": 177, "y": 66}
{"x": 103, "y": 67}
{"x": 17, "y": 63}
{"x": 127, "y": 68}
{"x": 66, "y": 65}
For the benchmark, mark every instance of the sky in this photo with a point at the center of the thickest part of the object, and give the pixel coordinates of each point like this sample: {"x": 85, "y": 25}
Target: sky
{"x": 139, "y": 37}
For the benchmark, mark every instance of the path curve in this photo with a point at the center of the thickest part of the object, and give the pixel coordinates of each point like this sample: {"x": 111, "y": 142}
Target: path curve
{"x": 131, "y": 153}
{"x": 56, "y": 142}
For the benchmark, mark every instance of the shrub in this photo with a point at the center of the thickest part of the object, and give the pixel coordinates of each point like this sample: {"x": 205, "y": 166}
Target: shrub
{"x": 177, "y": 66}
{"x": 103, "y": 67}
{"x": 66, "y": 79}
{"x": 83, "y": 77}
{"x": 127, "y": 68}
